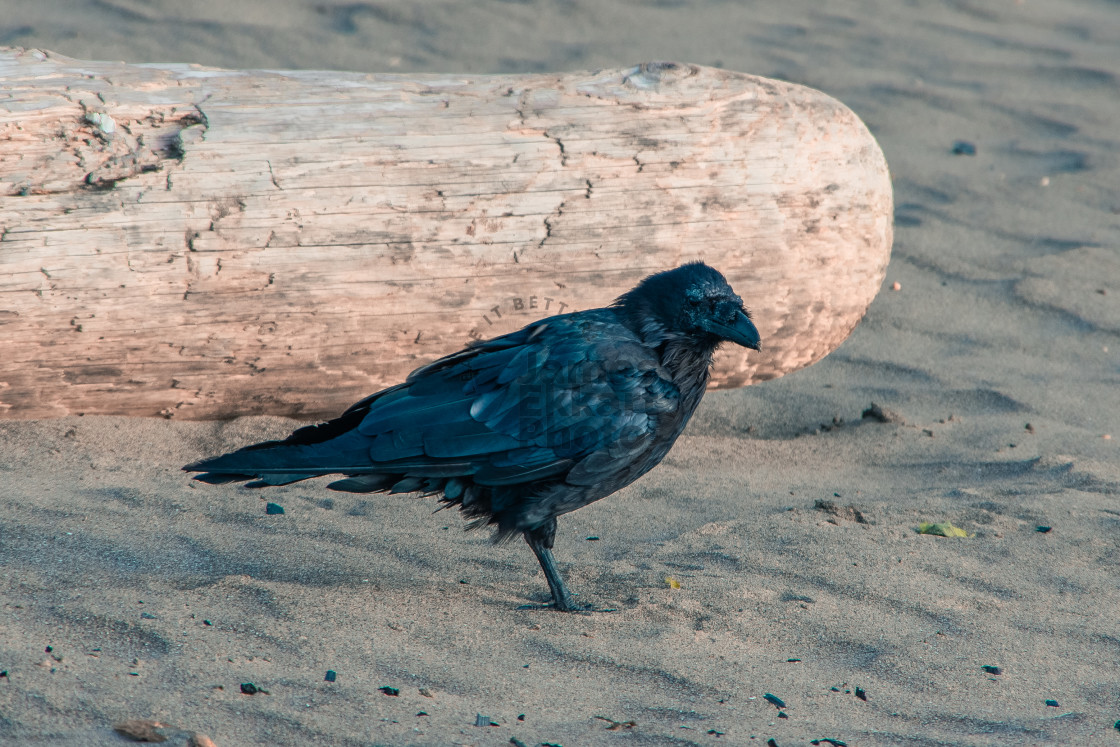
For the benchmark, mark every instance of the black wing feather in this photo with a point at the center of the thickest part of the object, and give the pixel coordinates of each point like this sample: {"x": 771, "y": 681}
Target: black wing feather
{"x": 565, "y": 401}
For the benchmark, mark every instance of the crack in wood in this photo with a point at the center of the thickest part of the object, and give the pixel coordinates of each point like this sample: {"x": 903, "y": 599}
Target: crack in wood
{"x": 559, "y": 144}
{"x": 548, "y": 223}
{"x": 272, "y": 176}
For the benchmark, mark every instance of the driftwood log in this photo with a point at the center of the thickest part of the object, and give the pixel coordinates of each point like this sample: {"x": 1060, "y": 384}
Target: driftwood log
{"x": 204, "y": 243}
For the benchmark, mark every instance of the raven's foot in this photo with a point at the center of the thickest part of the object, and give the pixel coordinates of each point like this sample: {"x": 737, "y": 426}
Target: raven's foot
{"x": 570, "y": 607}
{"x": 541, "y": 541}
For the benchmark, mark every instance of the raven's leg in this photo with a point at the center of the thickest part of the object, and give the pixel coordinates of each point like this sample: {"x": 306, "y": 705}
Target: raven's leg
{"x": 540, "y": 539}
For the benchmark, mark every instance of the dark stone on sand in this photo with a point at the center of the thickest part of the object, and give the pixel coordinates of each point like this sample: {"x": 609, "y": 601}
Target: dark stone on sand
{"x": 775, "y": 700}
{"x": 861, "y": 693}
{"x": 274, "y": 509}
{"x": 1052, "y": 703}
{"x": 991, "y": 669}
{"x": 390, "y": 690}
{"x": 964, "y": 148}
{"x": 331, "y": 675}
{"x": 1043, "y": 529}
{"x": 882, "y": 414}
{"x": 480, "y": 720}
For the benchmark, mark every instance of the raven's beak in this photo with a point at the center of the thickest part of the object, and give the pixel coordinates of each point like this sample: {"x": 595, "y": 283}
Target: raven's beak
{"x": 741, "y": 331}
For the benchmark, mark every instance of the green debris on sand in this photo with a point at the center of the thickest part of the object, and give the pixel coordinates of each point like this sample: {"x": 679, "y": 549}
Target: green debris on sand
{"x": 942, "y": 529}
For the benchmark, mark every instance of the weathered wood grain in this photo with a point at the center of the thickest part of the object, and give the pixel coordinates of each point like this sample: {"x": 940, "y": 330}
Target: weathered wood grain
{"x": 204, "y": 243}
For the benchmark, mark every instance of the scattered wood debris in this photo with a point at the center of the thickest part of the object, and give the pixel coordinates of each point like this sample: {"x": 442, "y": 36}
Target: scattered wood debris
{"x": 837, "y": 512}
{"x": 613, "y": 725}
{"x": 140, "y": 730}
{"x": 882, "y": 414}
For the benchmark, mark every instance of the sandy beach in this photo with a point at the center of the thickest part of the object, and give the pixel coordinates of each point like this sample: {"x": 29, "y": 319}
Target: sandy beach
{"x": 768, "y": 579}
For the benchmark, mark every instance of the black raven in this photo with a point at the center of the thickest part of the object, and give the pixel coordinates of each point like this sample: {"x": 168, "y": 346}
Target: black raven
{"x": 525, "y": 427}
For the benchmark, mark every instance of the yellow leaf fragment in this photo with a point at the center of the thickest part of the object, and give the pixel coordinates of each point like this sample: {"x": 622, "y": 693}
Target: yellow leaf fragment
{"x": 673, "y": 583}
{"x": 942, "y": 529}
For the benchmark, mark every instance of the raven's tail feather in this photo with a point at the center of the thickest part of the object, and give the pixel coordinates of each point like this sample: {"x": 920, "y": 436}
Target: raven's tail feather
{"x": 348, "y": 455}
{"x": 279, "y": 463}
{"x": 364, "y": 483}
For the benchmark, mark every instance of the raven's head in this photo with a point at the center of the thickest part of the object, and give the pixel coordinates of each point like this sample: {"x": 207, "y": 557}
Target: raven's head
{"x": 693, "y": 302}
